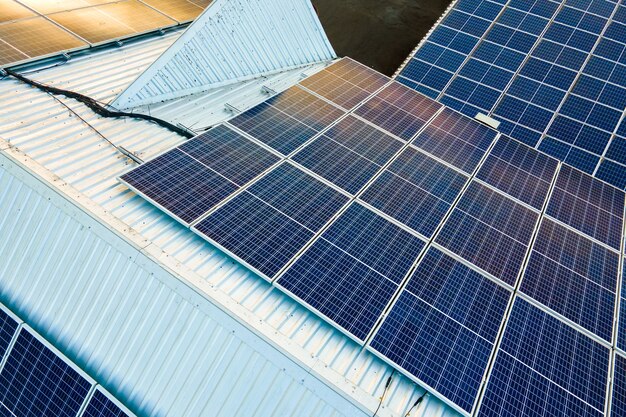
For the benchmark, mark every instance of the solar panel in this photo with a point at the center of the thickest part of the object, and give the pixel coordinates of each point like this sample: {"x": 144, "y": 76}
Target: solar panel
{"x": 269, "y": 223}
{"x": 588, "y": 205}
{"x": 8, "y": 327}
{"x": 100, "y": 405}
{"x": 489, "y": 230}
{"x": 36, "y": 382}
{"x": 345, "y": 83}
{"x": 352, "y": 271}
{"x": 551, "y": 72}
{"x": 287, "y": 120}
{"x": 191, "y": 179}
{"x": 415, "y": 190}
{"x": 104, "y": 22}
{"x": 398, "y": 110}
{"x": 519, "y": 171}
{"x": 456, "y": 139}
{"x": 349, "y": 154}
{"x": 618, "y": 403}
{"x": 574, "y": 277}
{"x": 181, "y": 185}
{"x": 229, "y": 154}
{"x": 545, "y": 367}
{"x": 442, "y": 328}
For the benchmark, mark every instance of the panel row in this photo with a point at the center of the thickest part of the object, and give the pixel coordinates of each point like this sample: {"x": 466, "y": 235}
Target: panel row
{"x": 36, "y": 380}
{"x": 552, "y": 72}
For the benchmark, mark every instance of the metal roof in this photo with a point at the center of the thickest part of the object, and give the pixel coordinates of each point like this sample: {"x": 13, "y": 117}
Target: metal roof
{"x": 232, "y": 41}
{"x": 102, "y": 298}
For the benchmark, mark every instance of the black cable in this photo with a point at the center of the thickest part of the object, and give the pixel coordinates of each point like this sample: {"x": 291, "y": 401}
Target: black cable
{"x": 97, "y": 107}
{"x": 416, "y": 403}
{"x": 382, "y": 397}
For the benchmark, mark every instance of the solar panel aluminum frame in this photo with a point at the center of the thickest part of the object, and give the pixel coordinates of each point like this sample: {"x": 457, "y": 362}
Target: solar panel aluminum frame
{"x": 608, "y": 407}
{"x": 620, "y": 295}
{"x": 171, "y": 148}
{"x": 20, "y": 323}
{"x": 432, "y": 390}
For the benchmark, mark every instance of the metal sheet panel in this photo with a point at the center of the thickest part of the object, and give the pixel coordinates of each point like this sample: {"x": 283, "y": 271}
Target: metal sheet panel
{"x": 233, "y": 40}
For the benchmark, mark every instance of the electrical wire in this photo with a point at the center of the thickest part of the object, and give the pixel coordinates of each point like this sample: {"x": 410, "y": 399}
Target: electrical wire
{"x": 416, "y": 403}
{"x": 382, "y": 397}
{"x": 120, "y": 149}
{"x": 96, "y": 107}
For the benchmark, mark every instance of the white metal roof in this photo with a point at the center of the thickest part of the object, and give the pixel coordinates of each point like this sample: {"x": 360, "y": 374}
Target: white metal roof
{"x": 232, "y": 41}
{"x": 115, "y": 304}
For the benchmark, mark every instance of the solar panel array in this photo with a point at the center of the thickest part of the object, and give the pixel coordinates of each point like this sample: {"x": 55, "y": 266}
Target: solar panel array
{"x": 36, "y": 380}
{"x": 444, "y": 248}
{"x": 552, "y": 72}
{"x": 33, "y": 28}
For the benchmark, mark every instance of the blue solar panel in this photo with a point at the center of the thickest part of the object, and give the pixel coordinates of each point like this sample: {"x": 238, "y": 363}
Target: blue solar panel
{"x": 8, "y": 327}
{"x": 267, "y": 225}
{"x": 287, "y": 120}
{"x": 489, "y": 230}
{"x": 456, "y": 139}
{"x": 519, "y": 171}
{"x": 345, "y": 83}
{"x": 229, "y": 154}
{"x": 618, "y": 403}
{"x": 588, "y": 205}
{"x": 101, "y": 406}
{"x": 415, "y": 190}
{"x": 36, "y": 382}
{"x": 398, "y": 110}
{"x": 544, "y": 367}
{"x": 180, "y": 184}
{"x": 574, "y": 277}
{"x": 552, "y": 72}
{"x": 349, "y": 154}
{"x": 352, "y": 271}
{"x": 442, "y": 328}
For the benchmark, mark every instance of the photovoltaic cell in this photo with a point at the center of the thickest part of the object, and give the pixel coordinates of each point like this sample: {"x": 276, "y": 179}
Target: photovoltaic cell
{"x": 398, "y": 110}
{"x": 544, "y": 367}
{"x": 345, "y": 83}
{"x": 489, "y": 230}
{"x": 267, "y": 225}
{"x": 8, "y": 327}
{"x": 415, "y": 190}
{"x": 36, "y": 382}
{"x": 349, "y": 154}
{"x": 230, "y": 154}
{"x": 287, "y": 120}
{"x": 574, "y": 277}
{"x": 456, "y": 139}
{"x": 180, "y": 184}
{"x": 101, "y": 406}
{"x": 618, "y": 406}
{"x": 442, "y": 328}
{"x": 519, "y": 171}
{"x": 588, "y": 205}
{"x": 351, "y": 272}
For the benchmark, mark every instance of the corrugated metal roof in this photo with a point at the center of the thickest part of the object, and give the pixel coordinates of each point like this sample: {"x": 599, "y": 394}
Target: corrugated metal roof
{"x": 232, "y": 41}
{"x": 47, "y": 132}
